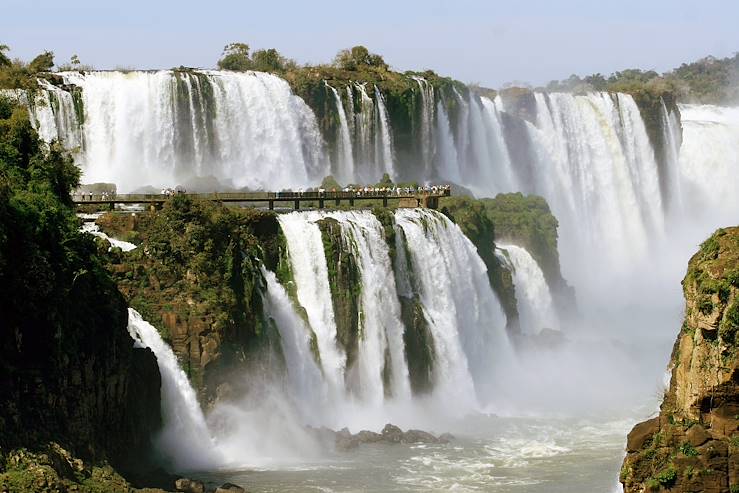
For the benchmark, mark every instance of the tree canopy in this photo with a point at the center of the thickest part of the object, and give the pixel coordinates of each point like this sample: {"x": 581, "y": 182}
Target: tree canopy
{"x": 357, "y": 57}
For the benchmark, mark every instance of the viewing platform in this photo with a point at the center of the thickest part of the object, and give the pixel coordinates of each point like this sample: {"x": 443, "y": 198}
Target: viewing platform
{"x": 406, "y": 197}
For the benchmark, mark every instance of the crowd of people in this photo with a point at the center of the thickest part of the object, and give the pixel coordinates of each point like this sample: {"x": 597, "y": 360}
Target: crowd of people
{"x": 386, "y": 190}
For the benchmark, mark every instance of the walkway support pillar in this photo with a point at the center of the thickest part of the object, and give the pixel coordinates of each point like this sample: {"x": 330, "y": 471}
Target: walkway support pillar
{"x": 296, "y": 205}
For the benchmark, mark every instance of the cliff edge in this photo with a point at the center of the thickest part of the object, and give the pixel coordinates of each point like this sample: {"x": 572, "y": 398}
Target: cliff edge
{"x": 693, "y": 444}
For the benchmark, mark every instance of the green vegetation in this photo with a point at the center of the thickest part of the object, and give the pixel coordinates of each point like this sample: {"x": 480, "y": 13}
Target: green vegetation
{"x": 708, "y": 80}
{"x": 688, "y": 450}
{"x": 236, "y": 57}
{"x": 197, "y": 272}
{"x": 63, "y": 319}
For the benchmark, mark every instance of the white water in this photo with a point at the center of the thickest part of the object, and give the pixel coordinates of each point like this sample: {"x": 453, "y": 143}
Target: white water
{"x": 306, "y": 382}
{"x": 308, "y": 262}
{"x": 464, "y": 316}
{"x": 94, "y": 229}
{"x": 164, "y": 128}
{"x": 534, "y": 299}
{"x": 184, "y": 440}
{"x": 709, "y": 163}
{"x": 426, "y": 140}
{"x": 384, "y": 140}
{"x": 345, "y": 166}
{"x": 380, "y": 326}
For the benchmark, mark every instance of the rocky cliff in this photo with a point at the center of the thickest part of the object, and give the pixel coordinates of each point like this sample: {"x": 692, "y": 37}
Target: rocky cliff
{"x": 693, "y": 445}
{"x": 196, "y": 278}
{"x": 75, "y": 394}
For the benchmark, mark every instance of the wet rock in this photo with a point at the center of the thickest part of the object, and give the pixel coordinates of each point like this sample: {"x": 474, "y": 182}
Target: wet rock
{"x": 366, "y": 436}
{"x": 189, "y": 486}
{"x": 446, "y": 438}
{"x": 230, "y": 488}
{"x": 418, "y": 436}
{"x": 392, "y": 434}
{"x": 641, "y": 433}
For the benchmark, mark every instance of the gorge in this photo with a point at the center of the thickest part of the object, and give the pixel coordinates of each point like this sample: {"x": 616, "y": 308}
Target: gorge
{"x": 269, "y": 325}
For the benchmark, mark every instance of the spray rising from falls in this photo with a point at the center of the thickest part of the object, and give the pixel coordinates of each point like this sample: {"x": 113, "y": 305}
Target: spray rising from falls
{"x": 185, "y": 440}
{"x": 168, "y": 127}
{"x": 535, "y": 303}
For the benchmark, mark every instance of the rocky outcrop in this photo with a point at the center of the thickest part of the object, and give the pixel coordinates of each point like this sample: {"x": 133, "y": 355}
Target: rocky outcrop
{"x": 390, "y": 434}
{"x": 693, "y": 445}
{"x": 196, "y": 278}
{"x": 75, "y": 395}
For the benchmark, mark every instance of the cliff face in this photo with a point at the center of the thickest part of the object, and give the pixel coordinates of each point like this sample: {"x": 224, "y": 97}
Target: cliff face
{"x": 196, "y": 278}
{"x": 693, "y": 445}
{"x": 72, "y": 386}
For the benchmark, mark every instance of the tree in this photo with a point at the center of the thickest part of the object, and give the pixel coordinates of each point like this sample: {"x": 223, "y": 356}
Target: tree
{"x": 4, "y": 60}
{"x": 235, "y": 57}
{"x": 42, "y": 63}
{"x": 269, "y": 60}
{"x": 75, "y": 60}
{"x": 359, "y": 56}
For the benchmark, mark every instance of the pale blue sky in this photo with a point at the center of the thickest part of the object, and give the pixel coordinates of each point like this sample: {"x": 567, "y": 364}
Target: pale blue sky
{"x": 487, "y": 42}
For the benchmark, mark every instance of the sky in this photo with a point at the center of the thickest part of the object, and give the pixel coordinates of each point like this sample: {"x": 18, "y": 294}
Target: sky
{"x": 491, "y": 43}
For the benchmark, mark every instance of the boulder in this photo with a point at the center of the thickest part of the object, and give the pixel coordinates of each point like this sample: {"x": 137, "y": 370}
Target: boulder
{"x": 446, "y": 438}
{"x": 230, "y": 488}
{"x": 642, "y": 432}
{"x": 366, "y": 436}
{"x": 418, "y": 436}
{"x": 189, "y": 486}
{"x": 392, "y": 434}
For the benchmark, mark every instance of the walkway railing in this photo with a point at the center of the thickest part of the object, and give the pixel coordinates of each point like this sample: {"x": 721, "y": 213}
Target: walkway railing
{"x": 423, "y": 197}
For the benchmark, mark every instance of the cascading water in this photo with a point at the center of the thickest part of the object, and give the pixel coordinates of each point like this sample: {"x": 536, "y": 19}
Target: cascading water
{"x": 368, "y": 168}
{"x": 185, "y": 440}
{"x": 672, "y": 139}
{"x": 307, "y": 385}
{"x": 709, "y": 163}
{"x": 384, "y": 139}
{"x": 344, "y": 169}
{"x": 535, "y": 304}
{"x": 308, "y": 261}
{"x": 167, "y": 127}
{"x": 447, "y": 162}
{"x": 595, "y": 166}
{"x": 464, "y": 316}
{"x": 426, "y": 139}
{"x": 380, "y": 326}
{"x": 89, "y": 226}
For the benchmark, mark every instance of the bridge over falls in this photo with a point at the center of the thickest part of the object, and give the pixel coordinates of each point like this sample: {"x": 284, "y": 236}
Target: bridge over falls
{"x": 313, "y": 199}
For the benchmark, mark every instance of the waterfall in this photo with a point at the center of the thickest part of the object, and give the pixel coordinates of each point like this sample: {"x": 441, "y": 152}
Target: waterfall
{"x": 308, "y": 262}
{"x": 535, "y": 304}
{"x": 384, "y": 140}
{"x": 709, "y": 163}
{"x": 168, "y": 127}
{"x": 185, "y": 439}
{"x": 447, "y": 164}
{"x": 306, "y": 382}
{"x": 380, "y": 326}
{"x": 94, "y": 229}
{"x": 364, "y": 123}
{"x": 426, "y": 140}
{"x": 671, "y": 138}
{"x": 504, "y": 179}
{"x": 595, "y": 166}
{"x": 345, "y": 158}
{"x": 464, "y": 315}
